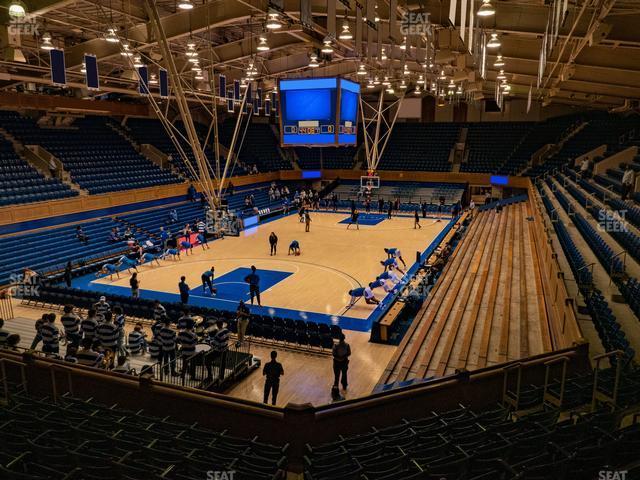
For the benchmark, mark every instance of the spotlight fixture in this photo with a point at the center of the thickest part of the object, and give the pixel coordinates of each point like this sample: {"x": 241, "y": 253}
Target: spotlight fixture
{"x": 383, "y": 54}
{"x": 111, "y": 36}
{"x": 16, "y": 9}
{"x": 263, "y": 46}
{"x": 137, "y": 61}
{"x": 313, "y": 61}
{"x": 486, "y": 9}
{"x": 326, "y": 46}
{"x": 499, "y": 62}
{"x": 346, "y": 33}
{"x": 361, "y": 70}
{"x": 125, "y": 50}
{"x": 153, "y": 80}
{"x": 272, "y": 21}
{"x": 185, "y": 5}
{"x": 46, "y": 42}
{"x": 494, "y": 41}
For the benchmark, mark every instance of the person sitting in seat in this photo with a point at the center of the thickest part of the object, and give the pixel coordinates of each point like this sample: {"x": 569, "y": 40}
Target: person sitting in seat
{"x": 81, "y": 236}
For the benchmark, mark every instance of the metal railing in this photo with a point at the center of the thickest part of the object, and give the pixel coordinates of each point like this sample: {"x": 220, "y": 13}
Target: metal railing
{"x": 6, "y": 307}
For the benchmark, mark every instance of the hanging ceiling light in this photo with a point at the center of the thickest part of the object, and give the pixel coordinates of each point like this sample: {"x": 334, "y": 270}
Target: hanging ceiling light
{"x": 263, "y": 46}
{"x": 185, "y": 5}
{"x": 46, "y": 42}
{"x": 390, "y": 90}
{"x": 494, "y": 41}
{"x": 486, "y": 9}
{"x": 361, "y": 70}
{"x": 403, "y": 85}
{"x": 137, "y": 61}
{"x": 406, "y": 71}
{"x": 420, "y": 80}
{"x": 326, "y": 46}
{"x": 83, "y": 69}
{"x": 451, "y": 86}
{"x": 199, "y": 76}
{"x": 370, "y": 84}
{"x": 417, "y": 91}
{"x": 125, "y": 52}
{"x": 313, "y": 62}
{"x": 153, "y": 80}
{"x": 376, "y": 18}
{"x": 376, "y": 81}
{"x": 383, "y": 54}
{"x": 272, "y": 21}
{"x": 499, "y": 62}
{"x": 111, "y": 36}
{"x": 386, "y": 82}
{"x": 345, "y": 34}
{"x": 501, "y": 75}
{"x": 403, "y": 45}
{"x": 459, "y": 90}
{"x": 441, "y": 101}
{"x": 16, "y": 9}
{"x": 442, "y": 76}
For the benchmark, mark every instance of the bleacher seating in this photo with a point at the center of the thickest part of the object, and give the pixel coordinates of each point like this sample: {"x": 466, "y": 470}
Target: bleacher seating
{"x": 490, "y": 144}
{"x": 420, "y": 146}
{"x": 81, "y": 439}
{"x": 21, "y": 183}
{"x": 260, "y": 146}
{"x": 97, "y": 158}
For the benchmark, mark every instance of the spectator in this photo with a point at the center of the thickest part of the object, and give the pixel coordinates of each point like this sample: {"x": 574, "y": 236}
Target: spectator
{"x": 102, "y": 307}
{"x": 67, "y": 274}
{"x": 87, "y": 356}
{"x": 123, "y": 366}
{"x": 108, "y": 334}
{"x": 191, "y": 193}
{"x": 341, "y": 353}
{"x": 154, "y": 348}
{"x": 137, "y": 341}
{"x": 89, "y": 325}
{"x": 187, "y": 339}
{"x": 71, "y": 323}
{"x": 50, "y": 335}
{"x": 628, "y": 182}
{"x": 13, "y": 341}
{"x": 38, "y": 338}
{"x": 186, "y": 321}
{"x": 158, "y": 310}
{"x": 4, "y": 334}
{"x": 272, "y": 372}
{"x": 220, "y": 343}
{"x": 72, "y": 354}
{"x": 120, "y": 322}
{"x": 81, "y": 236}
{"x": 167, "y": 337}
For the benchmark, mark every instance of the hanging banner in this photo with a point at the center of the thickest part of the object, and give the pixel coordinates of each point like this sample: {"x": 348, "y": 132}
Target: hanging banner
{"x": 273, "y": 102}
{"x": 222, "y": 84}
{"x": 58, "y": 71}
{"x": 249, "y": 93}
{"x": 259, "y": 98}
{"x": 236, "y": 90}
{"x": 267, "y": 106}
{"x": 91, "y": 75}
{"x": 230, "y": 104}
{"x": 143, "y": 80}
{"x": 164, "y": 83}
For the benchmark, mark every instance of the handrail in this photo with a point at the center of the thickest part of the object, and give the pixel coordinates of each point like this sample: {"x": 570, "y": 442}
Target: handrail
{"x": 3, "y": 371}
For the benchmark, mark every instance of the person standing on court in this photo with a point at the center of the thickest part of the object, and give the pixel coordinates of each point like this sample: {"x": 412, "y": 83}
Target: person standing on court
{"x": 184, "y": 290}
{"x": 273, "y": 243}
{"x": 307, "y": 221}
{"x": 354, "y": 219}
{"x": 254, "y": 285}
{"x": 207, "y": 281}
{"x": 416, "y": 221}
{"x": 243, "y": 316}
{"x": 390, "y": 210}
{"x": 135, "y": 285}
{"x": 272, "y": 372}
{"x": 341, "y": 353}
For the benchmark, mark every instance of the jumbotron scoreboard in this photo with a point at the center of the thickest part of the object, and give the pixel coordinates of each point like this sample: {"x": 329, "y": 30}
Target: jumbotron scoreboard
{"x": 318, "y": 112}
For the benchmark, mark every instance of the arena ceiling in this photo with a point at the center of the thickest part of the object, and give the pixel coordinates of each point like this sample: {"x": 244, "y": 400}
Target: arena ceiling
{"x": 595, "y": 62}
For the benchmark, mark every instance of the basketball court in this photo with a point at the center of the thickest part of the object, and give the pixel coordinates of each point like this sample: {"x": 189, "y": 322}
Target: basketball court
{"x": 312, "y": 286}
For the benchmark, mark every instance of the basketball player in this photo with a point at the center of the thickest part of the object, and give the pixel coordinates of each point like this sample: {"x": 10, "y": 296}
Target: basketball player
{"x": 416, "y": 219}
{"x": 108, "y": 269}
{"x": 207, "y": 281}
{"x": 380, "y": 282}
{"x": 294, "y": 248}
{"x": 354, "y": 219}
{"x": 273, "y": 243}
{"x": 127, "y": 263}
{"x": 173, "y": 252}
{"x": 307, "y": 221}
{"x": 391, "y": 262}
{"x": 149, "y": 257}
{"x": 187, "y": 246}
{"x": 389, "y": 274}
{"x": 395, "y": 253}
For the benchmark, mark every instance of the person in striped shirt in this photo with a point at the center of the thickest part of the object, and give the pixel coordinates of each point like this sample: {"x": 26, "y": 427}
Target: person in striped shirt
{"x": 38, "y": 338}
{"x": 88, "y": 325}
{"x": 119, "y": 320}
{"x": 50, "y": 335}
{"x": 87, "y": 356}
{"x": 154, "y": 348}
{"x": 220, "y": 344}
{"x": 4, "y": 334}
{"x": 167, "y": 337}
{"x": 187, "y": 339}
{"x": 102, "y": 307}
{"x": 137, "y": 342}
{"x": 158, "y": 310}
{"x": 186, "y": 321}
{"x": 71, "y": 323}
{"x": 108, "y": 334}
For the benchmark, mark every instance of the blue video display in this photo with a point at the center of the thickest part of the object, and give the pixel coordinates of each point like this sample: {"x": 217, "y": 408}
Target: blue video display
{"x": 318, "y": 111}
